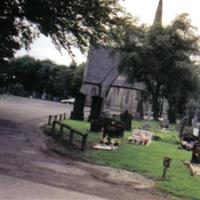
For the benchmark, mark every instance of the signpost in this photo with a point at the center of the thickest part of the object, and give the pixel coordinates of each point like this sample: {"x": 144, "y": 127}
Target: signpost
{"x": 166, "y": 163}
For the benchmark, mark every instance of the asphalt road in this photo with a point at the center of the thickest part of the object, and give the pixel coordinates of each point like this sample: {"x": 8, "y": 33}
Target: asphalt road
{"x": 29, "y": 170}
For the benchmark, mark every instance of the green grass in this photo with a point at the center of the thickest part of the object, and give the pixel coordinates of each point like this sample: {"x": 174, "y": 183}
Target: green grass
{"x": 147, "y": 160}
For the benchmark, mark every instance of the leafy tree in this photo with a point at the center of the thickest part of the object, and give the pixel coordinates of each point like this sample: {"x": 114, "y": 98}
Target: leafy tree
{"x": 25, "y": 71}
{"x": 71, "y": 23}
{"x": 41, "y": 76}
{"x": 162, "y": 58}
{"x": 77, "y": 78}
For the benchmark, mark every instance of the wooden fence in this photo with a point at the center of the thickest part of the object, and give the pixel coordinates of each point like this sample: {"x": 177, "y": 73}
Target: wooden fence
{"x": 58, "y": 117}
{"x": 72, "y": 133}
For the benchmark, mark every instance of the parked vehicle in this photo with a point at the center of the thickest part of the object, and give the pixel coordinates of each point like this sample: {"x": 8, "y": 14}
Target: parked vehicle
{"x": 68, "y": 101}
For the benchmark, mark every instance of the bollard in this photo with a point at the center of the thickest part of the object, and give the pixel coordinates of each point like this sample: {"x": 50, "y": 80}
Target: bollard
{"x": 166, "y": 163}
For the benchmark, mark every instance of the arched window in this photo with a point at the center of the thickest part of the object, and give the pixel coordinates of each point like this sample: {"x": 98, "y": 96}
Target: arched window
{"x": 127, "y": 97}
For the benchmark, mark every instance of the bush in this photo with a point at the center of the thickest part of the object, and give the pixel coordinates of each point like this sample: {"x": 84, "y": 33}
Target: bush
{"x": 17, "y": 89}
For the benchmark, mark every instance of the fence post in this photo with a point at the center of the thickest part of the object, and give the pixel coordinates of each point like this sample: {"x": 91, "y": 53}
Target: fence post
{"x": 61, "y": 130}
{"x": 64, "y": 116}
{"x": 55, "y": 117}
{"x": 49, "y": 121}
{"x": 60, "y": 117}
{"x": 71, "y": 136}
{"x": 53, "y": 126}
{"x": 83, "y": 144}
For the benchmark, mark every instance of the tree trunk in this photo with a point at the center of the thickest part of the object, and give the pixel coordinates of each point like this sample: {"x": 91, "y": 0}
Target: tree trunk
{"x": 172, "y": 113}
{"x": 155, "y": 102}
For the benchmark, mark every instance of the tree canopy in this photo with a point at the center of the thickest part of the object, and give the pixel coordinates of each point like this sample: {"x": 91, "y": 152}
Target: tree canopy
{"x": 162, "y": 58}
{"x": 71, "y": 23}
{"x": 26, "y": 76}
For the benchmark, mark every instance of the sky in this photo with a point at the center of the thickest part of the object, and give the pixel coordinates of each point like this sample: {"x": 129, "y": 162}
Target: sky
{"x": 144, "y": 10}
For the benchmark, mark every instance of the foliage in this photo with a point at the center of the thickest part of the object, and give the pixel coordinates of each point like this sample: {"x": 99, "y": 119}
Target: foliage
{"x": 17, "y": 89}
{"x": 147, "y": 160}
{"x": 162, "y": 58}
{"x": 72, "y": 23}
{"x": 41, "y": 77}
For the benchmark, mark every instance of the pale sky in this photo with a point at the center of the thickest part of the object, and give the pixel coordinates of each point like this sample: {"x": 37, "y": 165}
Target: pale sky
{"x": 144, "y": 10}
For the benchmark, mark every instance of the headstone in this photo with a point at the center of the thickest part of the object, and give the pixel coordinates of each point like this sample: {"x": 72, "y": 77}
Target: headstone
{"x": 96, "y": 125}
{"x": 78, "y": 109}
{"x": 195, "y": 120}
{"x": 146, "y": 127}
{"x": 116, "y": 117}
{"x": 43, "y": 97}
{"x": 181, "y": 125}
{"x": 148, "y": 115}
{"x": 196, "y": 153}
{"x": 126, "y": 117}
{"x": 113, "y": 128}
{"x": 164, "y": 123}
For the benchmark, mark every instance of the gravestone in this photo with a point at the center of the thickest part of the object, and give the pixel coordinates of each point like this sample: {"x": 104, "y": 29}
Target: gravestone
{"x": 196, "y": 153}
{"x": 113, "y": 128}
{"x": 126, "y": 117}
{"x": 116, "y": 117}
{"x": 95, "y": 114}
{"x": 195, "y": 120}
{"x": 146, "y": 127}
{"x": 181, "y": 125}
{"x": 78, "y": 109}
{"x": 96, "y": 125}
{"x": 164, "y": 123}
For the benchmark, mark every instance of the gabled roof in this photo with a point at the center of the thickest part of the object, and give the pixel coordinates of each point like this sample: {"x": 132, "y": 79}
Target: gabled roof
{"x": 102, "y": 69}
{"x": 102, "y": 66}
{"x": 121, "y": 81}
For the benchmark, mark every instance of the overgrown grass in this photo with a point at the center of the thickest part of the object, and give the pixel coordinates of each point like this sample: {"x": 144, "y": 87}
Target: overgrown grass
{"x": 147, "y": 160}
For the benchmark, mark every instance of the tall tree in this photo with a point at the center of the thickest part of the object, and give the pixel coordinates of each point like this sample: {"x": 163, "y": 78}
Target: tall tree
{"x": 162, "y": 58}
{"x": 42, "y": 77}
{"x": 71, "y": 23}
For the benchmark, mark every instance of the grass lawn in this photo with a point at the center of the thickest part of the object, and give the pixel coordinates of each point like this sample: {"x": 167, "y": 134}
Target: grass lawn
{"x": 147, "y": 160}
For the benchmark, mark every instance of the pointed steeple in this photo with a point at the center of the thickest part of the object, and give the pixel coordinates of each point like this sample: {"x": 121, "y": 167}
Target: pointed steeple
{"x": 159, "y": 13}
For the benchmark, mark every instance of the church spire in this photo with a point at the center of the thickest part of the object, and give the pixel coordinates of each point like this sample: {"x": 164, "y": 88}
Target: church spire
{"x": 159, "y": 13}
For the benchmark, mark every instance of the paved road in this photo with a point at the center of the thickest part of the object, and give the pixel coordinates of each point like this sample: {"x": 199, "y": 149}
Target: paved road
{"x": 28, "y": 170}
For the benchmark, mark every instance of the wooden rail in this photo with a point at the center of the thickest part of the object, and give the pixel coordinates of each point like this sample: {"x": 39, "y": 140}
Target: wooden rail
{"x": 71, "y": 134}
{"x": 58, "y": 117}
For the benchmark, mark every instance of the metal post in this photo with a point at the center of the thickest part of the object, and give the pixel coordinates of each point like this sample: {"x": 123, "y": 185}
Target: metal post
{"x": 166, "y": 163}
{"x": 55, "y": 117}
{"x": 49, "y": 121}
{"x": 61, "y": 130}
{"x": 83, "y": 144}
{"x": 71, "y": 136}
{"x": 53, "y": 126}
{"x": 164, "y": 173}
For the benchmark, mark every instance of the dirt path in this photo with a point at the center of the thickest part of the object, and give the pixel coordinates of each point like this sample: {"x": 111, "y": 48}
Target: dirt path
{"x": 29, "y": 171}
